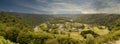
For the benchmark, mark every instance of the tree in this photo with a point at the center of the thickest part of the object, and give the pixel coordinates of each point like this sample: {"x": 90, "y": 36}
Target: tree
{"x": 84, "y": 33}
{"x": 31, "y": 37}
{"x": 12, "y": 33}
{"x": 3, "y": 30}
{"x": 90, "y": 39}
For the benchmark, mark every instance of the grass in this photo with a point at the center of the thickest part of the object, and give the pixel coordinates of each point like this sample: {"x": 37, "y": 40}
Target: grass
{"x": 76, "y": 35}
{"x": 101, "y": 32}
{"x": 112, "y": 36}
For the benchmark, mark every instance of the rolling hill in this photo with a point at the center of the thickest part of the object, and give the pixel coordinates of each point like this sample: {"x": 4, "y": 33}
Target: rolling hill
{"x": 59, "y": 29}
{"x": 32, "y": 19}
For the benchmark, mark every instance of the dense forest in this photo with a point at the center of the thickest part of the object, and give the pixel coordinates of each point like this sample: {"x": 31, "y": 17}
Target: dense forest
{"x": 22, "y": 28}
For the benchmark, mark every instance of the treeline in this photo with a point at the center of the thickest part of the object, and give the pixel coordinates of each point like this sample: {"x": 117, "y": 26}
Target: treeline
{"x": 109, "y": 20}
{"x": 24, "y": 18}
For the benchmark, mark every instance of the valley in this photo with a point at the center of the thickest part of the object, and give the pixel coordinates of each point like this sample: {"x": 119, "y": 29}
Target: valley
{"x": 22, "y": 28}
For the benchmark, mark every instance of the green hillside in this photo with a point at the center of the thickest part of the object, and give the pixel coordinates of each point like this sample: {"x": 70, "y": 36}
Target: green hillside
{"x": 108, "y": 20}
{"x": 25, "y": 28}
{"x": 31, "y": 19}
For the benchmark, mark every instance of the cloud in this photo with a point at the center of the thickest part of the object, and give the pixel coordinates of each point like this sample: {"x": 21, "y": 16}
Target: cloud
{"x": 92, "y": 6}
{"x": 64, "y": 8}
{"x": 71, "y": 6}
{"x": 106, "y": 6}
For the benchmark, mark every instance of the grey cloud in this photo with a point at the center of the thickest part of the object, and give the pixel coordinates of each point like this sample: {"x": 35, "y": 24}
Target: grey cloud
{"x": 74, "y": 6}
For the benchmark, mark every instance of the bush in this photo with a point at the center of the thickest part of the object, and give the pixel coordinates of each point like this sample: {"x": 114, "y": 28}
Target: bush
{"x": 67, "y": 40}
{"x": 90, "y": 39}
{"x": 83, "y": 33}
{"x": 12, "y": 34}
{"x": 3, "y": 41}
{"x": 2, "y": 30}
{"x": 109, "y": 37}
{"x": 33, "y": 37}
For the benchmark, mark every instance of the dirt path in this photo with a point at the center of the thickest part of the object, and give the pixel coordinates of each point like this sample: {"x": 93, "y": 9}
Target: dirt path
{"x": 117, "y": 42}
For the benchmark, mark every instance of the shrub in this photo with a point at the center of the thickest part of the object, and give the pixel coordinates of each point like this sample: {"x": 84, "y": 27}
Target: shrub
{"x": 3, "y": 41}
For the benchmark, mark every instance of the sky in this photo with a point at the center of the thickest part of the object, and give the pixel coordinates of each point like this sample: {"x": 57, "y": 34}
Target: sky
{"x": 61, "y": 6}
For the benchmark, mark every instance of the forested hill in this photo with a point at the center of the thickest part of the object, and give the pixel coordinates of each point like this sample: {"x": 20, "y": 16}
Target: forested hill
{"x": 31, "y": 19}
{"x": 99, "y": 19}
{"x": 36, "y": 19}
{"x": 25, "y": 28}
